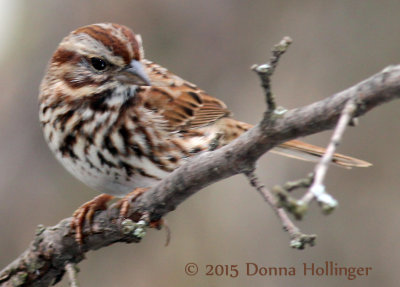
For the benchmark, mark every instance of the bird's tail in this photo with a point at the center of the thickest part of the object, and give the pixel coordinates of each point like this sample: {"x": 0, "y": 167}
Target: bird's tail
{"x": 294, "y": 148}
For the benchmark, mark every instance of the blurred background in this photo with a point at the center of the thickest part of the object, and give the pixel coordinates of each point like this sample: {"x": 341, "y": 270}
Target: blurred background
{"x": 213, "y": 44}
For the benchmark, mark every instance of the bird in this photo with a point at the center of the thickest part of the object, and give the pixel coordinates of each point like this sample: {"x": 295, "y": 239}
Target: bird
{"x": 121, "y": 123}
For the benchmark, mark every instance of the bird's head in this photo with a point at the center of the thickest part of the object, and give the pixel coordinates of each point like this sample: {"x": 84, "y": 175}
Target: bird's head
{"x": 96, "y": 58}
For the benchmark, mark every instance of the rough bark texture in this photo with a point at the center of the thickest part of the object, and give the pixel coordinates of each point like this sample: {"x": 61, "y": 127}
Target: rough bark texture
{"x": 43, "y": 263}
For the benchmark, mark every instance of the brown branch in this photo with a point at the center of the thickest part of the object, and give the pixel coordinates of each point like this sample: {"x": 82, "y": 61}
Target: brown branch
{"x": 43, "y": 263}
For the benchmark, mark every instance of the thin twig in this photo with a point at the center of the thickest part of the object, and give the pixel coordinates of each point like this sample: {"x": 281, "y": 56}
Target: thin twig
{"x": 72, "y": 271}
{"x": 288, "y": 225}
{"x": 300, "y": 183}
{"x": 278, "y": 50}
{"x": 317, "y": 189}
{"x": 299, "y": 240}
{"x": 265, "y": 71}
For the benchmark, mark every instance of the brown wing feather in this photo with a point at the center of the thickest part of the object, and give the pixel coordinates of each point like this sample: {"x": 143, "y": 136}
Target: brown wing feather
{"x": 181, "y": 103}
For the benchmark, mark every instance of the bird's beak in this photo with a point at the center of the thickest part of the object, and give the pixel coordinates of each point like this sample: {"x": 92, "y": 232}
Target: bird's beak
{"x": 134, "y": 74}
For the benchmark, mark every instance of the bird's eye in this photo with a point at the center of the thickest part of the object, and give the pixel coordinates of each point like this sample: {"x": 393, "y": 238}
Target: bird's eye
{"x": 98, "y": 64}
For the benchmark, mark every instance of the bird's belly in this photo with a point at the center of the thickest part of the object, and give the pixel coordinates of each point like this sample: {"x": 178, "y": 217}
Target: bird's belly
{"x": 112, "y": 180}
{"x": 112, "y": 174}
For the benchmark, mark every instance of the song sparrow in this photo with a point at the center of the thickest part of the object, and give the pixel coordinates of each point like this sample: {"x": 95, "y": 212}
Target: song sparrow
{"x": 119, "y": 122}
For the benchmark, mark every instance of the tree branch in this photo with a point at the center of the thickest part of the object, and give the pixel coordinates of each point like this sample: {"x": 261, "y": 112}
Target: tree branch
{"x": 45, "y": 260}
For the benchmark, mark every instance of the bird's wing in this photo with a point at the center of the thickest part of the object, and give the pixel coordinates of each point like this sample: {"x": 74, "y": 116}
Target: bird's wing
{"x": 179, "y": 102}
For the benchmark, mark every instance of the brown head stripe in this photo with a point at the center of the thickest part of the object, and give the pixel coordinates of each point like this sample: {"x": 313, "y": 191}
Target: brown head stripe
{"x": 118, "y": 46}
{"x": 62, "y": 56}
{"x": 132, "y": 39}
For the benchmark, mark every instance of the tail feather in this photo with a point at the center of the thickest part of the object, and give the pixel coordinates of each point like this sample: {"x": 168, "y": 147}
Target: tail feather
{"x": 304, "y": 151}
{"x": 231, "y": 129}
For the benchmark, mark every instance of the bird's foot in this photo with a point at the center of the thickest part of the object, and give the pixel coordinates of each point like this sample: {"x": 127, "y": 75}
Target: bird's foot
{"x": 124, "y": 203}
{"x": 86, "y": 211}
